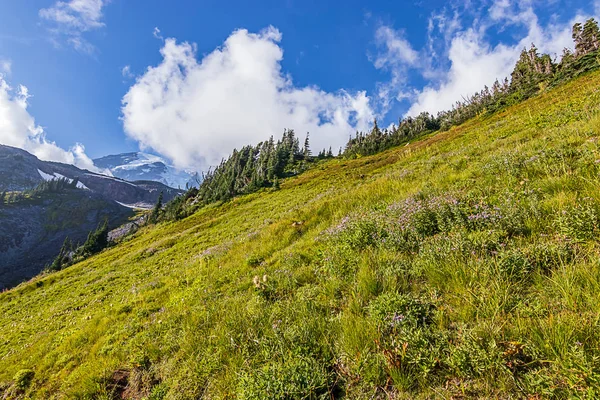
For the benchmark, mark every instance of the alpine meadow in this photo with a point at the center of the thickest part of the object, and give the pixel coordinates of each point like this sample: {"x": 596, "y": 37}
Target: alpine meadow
{"x": 450, "y": 255}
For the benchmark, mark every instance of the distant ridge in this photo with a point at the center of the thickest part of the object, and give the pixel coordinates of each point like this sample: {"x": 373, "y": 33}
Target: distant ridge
{"x": 137, "y": 166}
{"x": 34, "y": 226}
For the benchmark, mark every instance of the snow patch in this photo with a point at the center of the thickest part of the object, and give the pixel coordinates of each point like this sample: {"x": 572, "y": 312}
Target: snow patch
{"x": 57, "y": 176}
{"x": 82, "y": 186}
{"x": 113, "y": 179}
{"x": 45, "y": 176}
{"x": 142, "y": 206}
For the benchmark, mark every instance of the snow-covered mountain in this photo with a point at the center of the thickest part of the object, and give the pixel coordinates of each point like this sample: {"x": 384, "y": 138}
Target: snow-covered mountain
{"x": 139, "y": 166}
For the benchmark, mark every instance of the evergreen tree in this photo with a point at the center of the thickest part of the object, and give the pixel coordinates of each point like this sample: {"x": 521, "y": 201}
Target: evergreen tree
{"x": 531, "y": 69}
{"x": 306, "y": 150}
{"x": 586, "y": 37}
{"x": 157, "y": 210}
{"x": 577, "y": 36}
{"x": 590, "y": 35}
{"x": 63, "y": 258}
{"x": 96, "y": 241}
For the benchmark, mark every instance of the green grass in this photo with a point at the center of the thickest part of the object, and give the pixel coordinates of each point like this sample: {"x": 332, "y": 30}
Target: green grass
{"x": 463, "y": 264}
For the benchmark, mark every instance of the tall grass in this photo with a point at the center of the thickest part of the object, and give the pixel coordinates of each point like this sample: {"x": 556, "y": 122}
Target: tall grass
{"x": 462, "y": 265}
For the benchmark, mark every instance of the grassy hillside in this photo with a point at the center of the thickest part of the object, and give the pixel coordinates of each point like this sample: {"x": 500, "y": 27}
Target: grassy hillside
{"x": 464, "y": 264}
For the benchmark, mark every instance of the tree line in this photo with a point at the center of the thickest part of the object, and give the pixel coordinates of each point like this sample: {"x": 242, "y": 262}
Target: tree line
{"x": 533, "y": 73}
{"x": 262, "y": 166}
{"x": 247, "y": 170}
{"x": 51, "y": 186}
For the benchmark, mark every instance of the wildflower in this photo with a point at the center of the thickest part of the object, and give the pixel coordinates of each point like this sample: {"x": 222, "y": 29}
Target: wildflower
{"x": 397, "y": 319}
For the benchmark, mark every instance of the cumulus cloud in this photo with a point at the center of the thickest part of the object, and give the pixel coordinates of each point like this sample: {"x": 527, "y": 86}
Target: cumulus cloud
{"x": 19, "y": 129}
{"x": 72, "y": 19}
{"x": 196, "y": 111}
{"x": 459, "y": 59}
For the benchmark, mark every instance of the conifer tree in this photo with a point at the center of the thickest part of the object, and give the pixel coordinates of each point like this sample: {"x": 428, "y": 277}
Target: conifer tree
{"x": 577, "y": 36}
{"x": 63, "y": 259}
{"x": 156, "y": 211}
{"x": 586, "y": 37}
{"x": 306, "y": 150}
{"x": 96, "y": 241}
{"x": 590, "y": 35}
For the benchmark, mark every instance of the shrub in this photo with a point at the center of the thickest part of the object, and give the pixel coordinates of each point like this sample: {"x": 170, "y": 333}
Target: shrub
{"x": 23, "y": 379}
{"x": 514, "y": 264}
{"x": 159, "y": 392}
{"x": 254, "y": 260}
{"x": 394, "y": 309}
{"x": 546, "y": 256}
{"x": 362, "y": 233}
{"x": 472, "y": 357}
{"x": 294, "y": 378}
{"x": 411, "y": 347}
{"x": 579, "y": 222}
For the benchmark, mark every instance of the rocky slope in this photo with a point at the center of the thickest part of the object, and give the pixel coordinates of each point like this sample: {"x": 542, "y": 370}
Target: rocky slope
{"x": 32, "y": 229}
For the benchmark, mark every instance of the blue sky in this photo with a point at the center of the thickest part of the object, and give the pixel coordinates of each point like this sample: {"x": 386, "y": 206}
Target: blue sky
{"x": 325, "y": 66}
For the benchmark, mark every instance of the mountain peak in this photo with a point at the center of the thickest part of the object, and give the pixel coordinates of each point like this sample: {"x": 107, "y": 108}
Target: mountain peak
{"x": 140, "y": 166}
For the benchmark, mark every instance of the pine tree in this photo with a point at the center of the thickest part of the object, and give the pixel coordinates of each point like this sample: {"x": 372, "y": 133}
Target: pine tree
{"x": 590, "y": 36}
{"x": 530, "y": 70}
{"x": 96, "y": 241}
{"x": 306, "y": 150}
{"x": 63, "y": 258}
{"x": 577, "y": 36}
{"x": 156, "y": 211}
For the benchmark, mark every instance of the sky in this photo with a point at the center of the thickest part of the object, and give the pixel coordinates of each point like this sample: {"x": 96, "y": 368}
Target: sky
{"x": 190, "y": 80}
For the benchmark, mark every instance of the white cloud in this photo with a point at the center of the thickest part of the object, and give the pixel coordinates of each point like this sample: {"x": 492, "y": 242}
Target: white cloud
{"x": 196, "y": 111}
{"x": 5, "y": 66}
{"x": 398, "y": 50}
{"x": 73, "y": 18}
{"x": 156, "y": 33}
{"x": 126, "y": 72}
{"x": 395, "y": 55}
{"x": 459, "y": 60}
{"x": 19, "y": 129}
{"x": 474, "y": 64}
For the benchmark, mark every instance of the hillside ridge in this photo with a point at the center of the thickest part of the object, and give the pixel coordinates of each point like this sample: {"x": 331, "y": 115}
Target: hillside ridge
{"x": 460, "y": 264}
